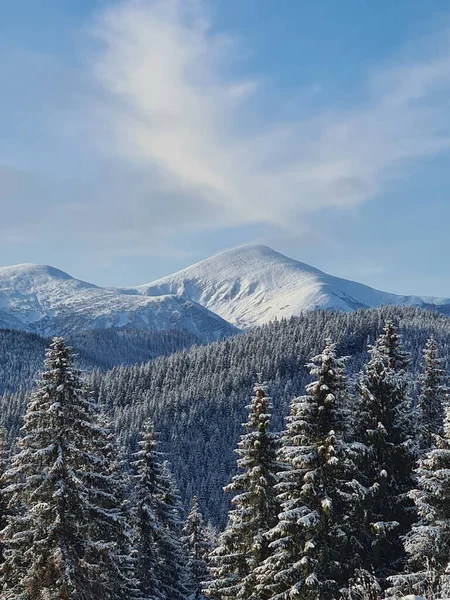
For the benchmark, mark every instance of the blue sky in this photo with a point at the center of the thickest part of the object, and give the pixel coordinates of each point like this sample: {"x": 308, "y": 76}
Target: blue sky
{"x": 140, "y": 137}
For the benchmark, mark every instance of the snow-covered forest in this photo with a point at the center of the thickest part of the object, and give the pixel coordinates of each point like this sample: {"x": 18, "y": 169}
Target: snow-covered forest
{"x": 112, "y": 481}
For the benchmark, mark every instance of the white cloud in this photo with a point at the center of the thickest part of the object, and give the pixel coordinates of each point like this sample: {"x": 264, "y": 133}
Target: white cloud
{"x": 187, "y": 146}
{"x": 173, "y": 106}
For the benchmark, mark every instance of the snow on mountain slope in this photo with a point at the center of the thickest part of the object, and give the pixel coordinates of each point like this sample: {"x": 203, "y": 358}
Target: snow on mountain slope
{"x": 251, "y": 285}
{"x": 45, "y": 300}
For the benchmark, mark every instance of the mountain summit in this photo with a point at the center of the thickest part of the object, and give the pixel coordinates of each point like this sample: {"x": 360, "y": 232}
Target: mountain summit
{"x": 251, "y": 285}
{"x": 47, "y": 301}
{"x": 242, "y": 287}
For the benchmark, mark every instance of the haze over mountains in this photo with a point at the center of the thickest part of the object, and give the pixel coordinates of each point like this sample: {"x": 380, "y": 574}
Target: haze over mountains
{"x": 239, "y": 288}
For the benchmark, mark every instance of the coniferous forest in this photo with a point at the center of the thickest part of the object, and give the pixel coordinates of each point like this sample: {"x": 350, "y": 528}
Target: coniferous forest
{"x": 171, "y": 479}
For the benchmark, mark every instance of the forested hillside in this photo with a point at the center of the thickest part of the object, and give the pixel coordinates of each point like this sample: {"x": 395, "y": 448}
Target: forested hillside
{"x": 22, "y": 353}
{"x": 197, "y": 397}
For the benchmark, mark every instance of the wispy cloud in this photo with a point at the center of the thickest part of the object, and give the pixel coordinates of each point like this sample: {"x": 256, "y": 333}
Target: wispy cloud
{"x": 174, "y": 107}
{"x": 159, "y": 139}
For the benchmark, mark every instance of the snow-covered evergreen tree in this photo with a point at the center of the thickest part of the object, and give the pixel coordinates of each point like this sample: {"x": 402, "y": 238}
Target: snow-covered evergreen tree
{"x": 312, "y": 542}
{"x": 173, "y": 559}
{"x": 196, "y": 539}
{"x": 433, "y": 395}
{"x": 363, "y": 586}
{"x": 111, "y": 543}
{"x": 47, "y": 544}
{"x": 387, "y": 432}
{"x": 428, "y": 543}
{"x": 144, "y": 519}
{"x": 62, "y": 538}
{"x": 4, "y": 462}
{"x": 243, "y": 546}
{"x": 156, "y": 519}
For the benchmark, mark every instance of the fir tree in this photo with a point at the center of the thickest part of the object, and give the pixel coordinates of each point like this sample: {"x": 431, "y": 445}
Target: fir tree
{"x": 243, "y": 546}
{"x": 196, "y": 539}
{"x": 428, "y": 543}
{"x": 63, "y": 538}
{"x": 161, "y": 563}
{"x": 312, "y": 541}
{"x": 4, "y": 461}
{"x": 47, "y": 544}
{"x": 433, "y": 394}
{"x": 172, "y": 564}
{"x": 387, "y": 433}
{"x": 111, "y": 544}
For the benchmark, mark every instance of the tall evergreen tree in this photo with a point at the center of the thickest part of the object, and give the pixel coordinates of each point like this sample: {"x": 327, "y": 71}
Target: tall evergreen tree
{"x": 428, "y": 543}
{"x": 312, "y": 541}
{"x": 173, "y": 559}
{"x": 243, "y": 546}
{"x": 433, "y": 395}
{"x": 53, "y": 548}
{"x": 196, "y": 539}
{"x": 110, "y": 531}
{"x": 387, "y": 432}
{"x": 47, "y": 545}
{"x": 144, "y": 519}
{"x": 4, "y": 462}
{"x": 161, "y": 563}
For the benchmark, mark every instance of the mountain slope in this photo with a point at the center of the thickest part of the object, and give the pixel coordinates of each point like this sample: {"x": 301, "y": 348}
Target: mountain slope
{"x": 47, "y": 301}
{"x": 252, "y": 285}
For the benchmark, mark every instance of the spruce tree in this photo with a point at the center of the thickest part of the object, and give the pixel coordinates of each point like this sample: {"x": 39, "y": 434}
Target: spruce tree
{"x": 243, "y": 545}
{"x": 387, "y": 432}
{"x": 47, "y": 538}
{"x": 428, "y": 543}
{"x": 160, "y": 560}
{"x": 312, "y": 542}
{"x": 4, "y": 462}
{"x": 63, "y": 537}
{"x": 433, "y": 395}
{"x": 172, "y": 565}
{"x": 111, "y": 543}
{"x": 196, "y": 539}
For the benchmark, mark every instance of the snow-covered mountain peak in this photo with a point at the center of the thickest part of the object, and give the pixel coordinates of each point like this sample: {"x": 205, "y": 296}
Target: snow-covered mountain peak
{"x": 251, "y": 285}
{"x": 241, "y": 261}
{"x": 46, "y": 300}
{"x": 244, "y": 286}
{"x": 32, "y": 271}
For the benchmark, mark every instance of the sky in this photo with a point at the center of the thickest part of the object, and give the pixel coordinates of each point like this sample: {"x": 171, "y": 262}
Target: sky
{"x": 139, "y": 137}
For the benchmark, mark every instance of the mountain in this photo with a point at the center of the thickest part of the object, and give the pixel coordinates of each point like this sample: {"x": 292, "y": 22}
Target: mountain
{"x": 239, "y": 288}
{"x": 45, "y": 300}
{"x": 252, "y": 285}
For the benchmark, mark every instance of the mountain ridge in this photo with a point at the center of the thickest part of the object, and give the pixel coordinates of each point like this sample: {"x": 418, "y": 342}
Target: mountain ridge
{"x": 251, "y": 285}
{"x": 48, "y": 301}
{"x": 237, "y": 289}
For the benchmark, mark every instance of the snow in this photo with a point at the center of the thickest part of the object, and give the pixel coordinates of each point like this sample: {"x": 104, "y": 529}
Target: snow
{"x": 48, "y": 301}
{"x": 245, "y": 287}
{"x": 252, "y": 285}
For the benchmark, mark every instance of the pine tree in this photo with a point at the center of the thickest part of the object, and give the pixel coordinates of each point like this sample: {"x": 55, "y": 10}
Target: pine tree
{"x": 433, "y": 395}
{"x": 172, "y": 557}
{"x": 387, "y": 433}
{"x": 243, "y": 545}
{"x": 160, "y": 561}
{"x": 144, "y": 520}
{"x": 196, "y": 539}
{"x": 62, "y": 536}
{"x": 47, "y": 543}
{"x": 111, "y": 543}
{"x": 428, "y": 543}
{"x": 4, "y": 460}
{"x": 312, "y": 541}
